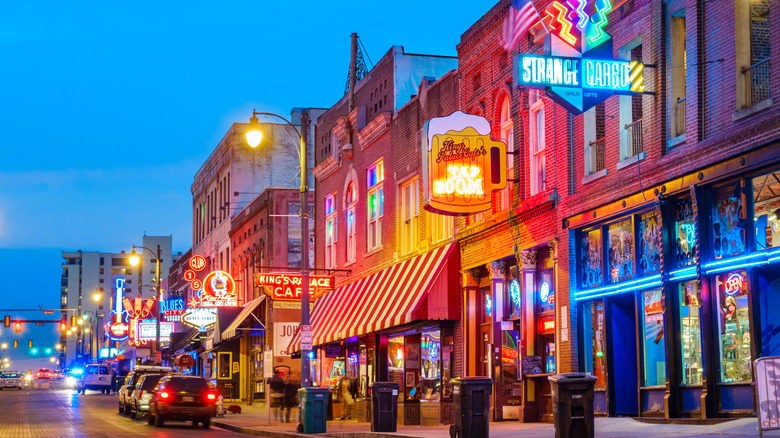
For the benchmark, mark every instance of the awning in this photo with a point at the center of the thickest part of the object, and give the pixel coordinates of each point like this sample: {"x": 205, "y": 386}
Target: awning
{"x": 414, "y": 289}
{"x": 230, "y": 331}
{"x": 180, "y": 340}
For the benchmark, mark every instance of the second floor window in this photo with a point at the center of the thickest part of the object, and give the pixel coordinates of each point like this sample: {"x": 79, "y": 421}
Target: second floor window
{"x": 441, "y": 227}
{"x": 410, "y": 211}
{"x": 536, "y": 151}
{"x": 351, "y": 229}
{"x": 504, "y": 197}
{"x": 375, "y": 205}
{"x": 331, "y": 225}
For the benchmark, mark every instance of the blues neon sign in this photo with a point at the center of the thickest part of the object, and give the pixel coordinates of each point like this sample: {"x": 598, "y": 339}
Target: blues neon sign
{"x": 578, "y": 70}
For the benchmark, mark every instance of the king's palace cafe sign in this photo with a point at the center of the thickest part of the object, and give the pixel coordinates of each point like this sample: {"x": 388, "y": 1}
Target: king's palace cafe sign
{"x": 578, "y": 70}
{"x": 287, "y": 287}
{"x": 462, "y": 165}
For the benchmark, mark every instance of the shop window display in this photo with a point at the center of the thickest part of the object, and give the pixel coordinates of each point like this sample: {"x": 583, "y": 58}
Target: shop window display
{"x": 621, "y": 251}
{"x": 685, "y": 234}
{"x": 650, "y": 244}
{"x": 595, "y": 350}
{"x": 510, "y": 359}
{"x": 590, "y": 254}
{"x": 728, "y": 233}
{"x": 767, "y": 210}
{"x": 654, "y": 338}
{"x": 690, "y": 324}
{"x": 395, "y": 360}
{"x": 430, "y": 371}
{"x": 366, "y": 363}
{"x": 734, "y": 327}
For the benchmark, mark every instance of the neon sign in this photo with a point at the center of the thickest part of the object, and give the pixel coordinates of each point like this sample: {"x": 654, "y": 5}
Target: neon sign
{"x": 201, "y": 318}
{"x": 733, "y": 284}
{"x": 172, "y": 309}
{"x": 488, "y": 305}
{"x": 118, "y": 329}
{"x": 514, "y": 292}
{"x": 219, "y": 290}
{"x": 462, "y": 165}
{"x": 287, "y": 287}
{"x": 577, "y": 69}
{"x": 147, "y": 330}
{"x": 198, "y": 263}
{"x": 545, "y": 294}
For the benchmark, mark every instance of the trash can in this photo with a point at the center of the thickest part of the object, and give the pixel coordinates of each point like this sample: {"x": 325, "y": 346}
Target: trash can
{"x": 572, "y": 400}
{"x": 471, "y": 405}
{"x": 384, "y": 406}
{"x": 312, "y": 415}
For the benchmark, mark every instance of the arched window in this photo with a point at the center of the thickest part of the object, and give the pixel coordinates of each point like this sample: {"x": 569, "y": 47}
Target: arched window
{"x": 504, "y": 197}
{"x": 351, "y": 201}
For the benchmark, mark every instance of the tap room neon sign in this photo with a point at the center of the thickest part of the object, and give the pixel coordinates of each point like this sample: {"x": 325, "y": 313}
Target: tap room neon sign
{"x": 578, "y": 70}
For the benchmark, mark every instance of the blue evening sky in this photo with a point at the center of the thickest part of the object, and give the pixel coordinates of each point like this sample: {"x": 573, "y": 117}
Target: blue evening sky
{"x": 107, "y": 110}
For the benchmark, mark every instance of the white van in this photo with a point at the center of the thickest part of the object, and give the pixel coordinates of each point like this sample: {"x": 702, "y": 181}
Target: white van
{"x": 97, "y": 377}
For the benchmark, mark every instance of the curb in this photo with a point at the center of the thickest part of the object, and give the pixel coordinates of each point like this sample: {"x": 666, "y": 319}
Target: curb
{"x": 275, "y": 434}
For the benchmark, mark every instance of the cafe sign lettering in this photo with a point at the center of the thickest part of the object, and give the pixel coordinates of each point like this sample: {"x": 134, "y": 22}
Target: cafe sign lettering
{"x": 219, "y": 290}
{"x": 577, "y": 69}
{"x": 287, "y": 287}
{"x": 462, "y": 165}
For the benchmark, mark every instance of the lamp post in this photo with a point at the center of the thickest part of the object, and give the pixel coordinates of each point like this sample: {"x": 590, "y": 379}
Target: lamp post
{"x": 134, "y": 260}
{"x": 253, "y": 137}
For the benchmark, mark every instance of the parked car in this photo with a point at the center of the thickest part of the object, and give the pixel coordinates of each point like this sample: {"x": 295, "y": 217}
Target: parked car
{"x": 185, "y": 398}
{"x": 11, "y": 380}
{"x": 96, "y": 377}
{"x": 43, "y": 373}
{"x": 130, "y": 381}
{"x": 142, "y": 393}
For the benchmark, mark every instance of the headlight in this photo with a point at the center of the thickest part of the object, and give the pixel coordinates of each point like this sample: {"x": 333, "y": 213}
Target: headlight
{"x": 28, "y": 377}
{"x": 70, "y": 381}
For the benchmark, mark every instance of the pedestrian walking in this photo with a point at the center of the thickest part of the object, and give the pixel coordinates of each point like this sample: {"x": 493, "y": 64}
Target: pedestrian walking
{"x": 347, "y": 397}
{"x": 276, "y": 384}
{"x": 291, "y": 396}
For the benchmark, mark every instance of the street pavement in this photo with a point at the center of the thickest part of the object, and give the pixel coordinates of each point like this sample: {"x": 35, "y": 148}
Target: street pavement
{"x": 61, "y": 413}
{"x": 253, "y": 421}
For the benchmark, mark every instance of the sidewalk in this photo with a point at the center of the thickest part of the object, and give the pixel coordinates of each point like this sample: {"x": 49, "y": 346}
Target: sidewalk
{"x": 253, "y": 421}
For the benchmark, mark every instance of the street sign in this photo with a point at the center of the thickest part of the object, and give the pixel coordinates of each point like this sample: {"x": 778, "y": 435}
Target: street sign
{"x": 48, "y": 312}
{"x": 268, "y": 363}
{"x": 39, "y": 323}
{"x": 305, "y": 338}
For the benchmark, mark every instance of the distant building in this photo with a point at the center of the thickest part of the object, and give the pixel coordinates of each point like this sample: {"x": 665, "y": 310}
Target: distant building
{"x": 86, "y": 274}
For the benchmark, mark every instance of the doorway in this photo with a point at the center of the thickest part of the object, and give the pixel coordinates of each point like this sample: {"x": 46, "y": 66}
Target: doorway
{"x": 622, "y": 355}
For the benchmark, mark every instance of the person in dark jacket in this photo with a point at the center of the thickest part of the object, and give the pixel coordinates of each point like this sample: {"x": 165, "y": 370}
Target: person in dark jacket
{"x": 291, "y": 396}
{"x": 276, "y": 384}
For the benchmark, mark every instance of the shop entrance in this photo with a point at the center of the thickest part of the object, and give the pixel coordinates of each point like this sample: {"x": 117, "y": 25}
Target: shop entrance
{"x": 622, "y": 355}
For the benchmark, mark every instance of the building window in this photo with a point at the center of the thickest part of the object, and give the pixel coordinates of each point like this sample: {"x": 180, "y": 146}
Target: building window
{"x": 441, "y": 226}
{"x": 351, "y": 229}
{"x": 331, "y": 226}
{"x": 766, "y": 205}
{"x": 728, "y": 232}
{"x": 375, "y": 208}
{"x": 690, "y": 323}
{"x": 620, "y": 260}
{"x": 409, "y": 214}
{"x": 595, "y": 350}
{"x": 734, "y": 327}
{"x": 595, "y": 135}
{"x": 678, "y": 60}
{"x": 536, "y": 145}
{"x": 753, "y": 52}
{"x": 631, "y": 112}
{"x": 504, "y": 198}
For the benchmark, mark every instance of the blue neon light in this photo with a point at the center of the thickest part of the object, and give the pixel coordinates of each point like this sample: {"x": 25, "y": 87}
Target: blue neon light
{"x": 620, "y": 291}
{"x": 683, "y": 274}
{"x": 544, "y": 292}
{"x": 634, "y": 285}
{"x": 755, "y": 259}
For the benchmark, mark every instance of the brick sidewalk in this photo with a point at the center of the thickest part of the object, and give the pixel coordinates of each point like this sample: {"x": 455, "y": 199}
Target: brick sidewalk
{"x": 253, "y": 421}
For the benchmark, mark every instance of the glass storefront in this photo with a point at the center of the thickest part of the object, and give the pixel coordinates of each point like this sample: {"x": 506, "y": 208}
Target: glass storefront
{"x": 545, "y": 315}
{"x": 430, "y": 372}
{"x": 766, "y": 210}
{"x": 654, "y": 343}
{"x": 595, "y": 336}
{"x": 690, "y": 325}
{"x": 733, "y": 327}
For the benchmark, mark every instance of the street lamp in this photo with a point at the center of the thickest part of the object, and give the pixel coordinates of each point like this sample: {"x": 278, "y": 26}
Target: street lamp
{"x": 134, "y": 260}
{"x": 253, "y": 138}
{"x": 97, "y": 296}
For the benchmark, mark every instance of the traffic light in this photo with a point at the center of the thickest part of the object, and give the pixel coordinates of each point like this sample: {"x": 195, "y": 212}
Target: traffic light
{"x": 30, "y": 342}
{"x": 73, "y": 321}
{"x": 48, "y": 350}
{"x": 7, "y": 321}
{"x": 63, "y": 326}
{"x": 16, "y": 343}
{"x": 18, "y": 327}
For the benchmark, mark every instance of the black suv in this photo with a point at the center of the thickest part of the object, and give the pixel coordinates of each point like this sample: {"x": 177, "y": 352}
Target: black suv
{"x": 186, "y": 398}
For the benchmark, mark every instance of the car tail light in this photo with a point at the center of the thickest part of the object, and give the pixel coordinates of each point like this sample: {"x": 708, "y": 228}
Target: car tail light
{"x": 140, "y": 393}
{"x": 165, "y": 396}
{"x": 211, "y": 396}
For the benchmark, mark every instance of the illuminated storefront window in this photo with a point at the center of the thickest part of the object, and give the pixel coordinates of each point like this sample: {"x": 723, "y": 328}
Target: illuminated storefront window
{"x": 727, "y": 232}
{"x": 766, "y": 210}
{"x": 430, "y": 369}
{"x": 595, "y": 352}
{"x": 690, "y": 324}
{"x": 684, "y": 234}
{"x": 591, "y": 256}
{"x": 621, "y": 250}
{"x": 654, "y": 338}
{"x": 733, "y": 327}
{"x": 375, "y": 207}
{"x": 650, "y": 243}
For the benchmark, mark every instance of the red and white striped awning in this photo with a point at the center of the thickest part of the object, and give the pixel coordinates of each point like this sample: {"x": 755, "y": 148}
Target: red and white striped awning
{"x": 411, "y": 290}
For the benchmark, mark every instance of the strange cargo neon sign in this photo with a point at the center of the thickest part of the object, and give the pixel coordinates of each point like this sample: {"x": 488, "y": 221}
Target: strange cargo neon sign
{"x": 577, "y": 69}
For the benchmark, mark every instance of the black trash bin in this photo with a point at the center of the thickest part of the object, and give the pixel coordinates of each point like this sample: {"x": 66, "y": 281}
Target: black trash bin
{"x": 312, "y": 415}
{"x": 572, "y": 400}
{"x": 384, "y": 406}
{"x": 471, "y": 405}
